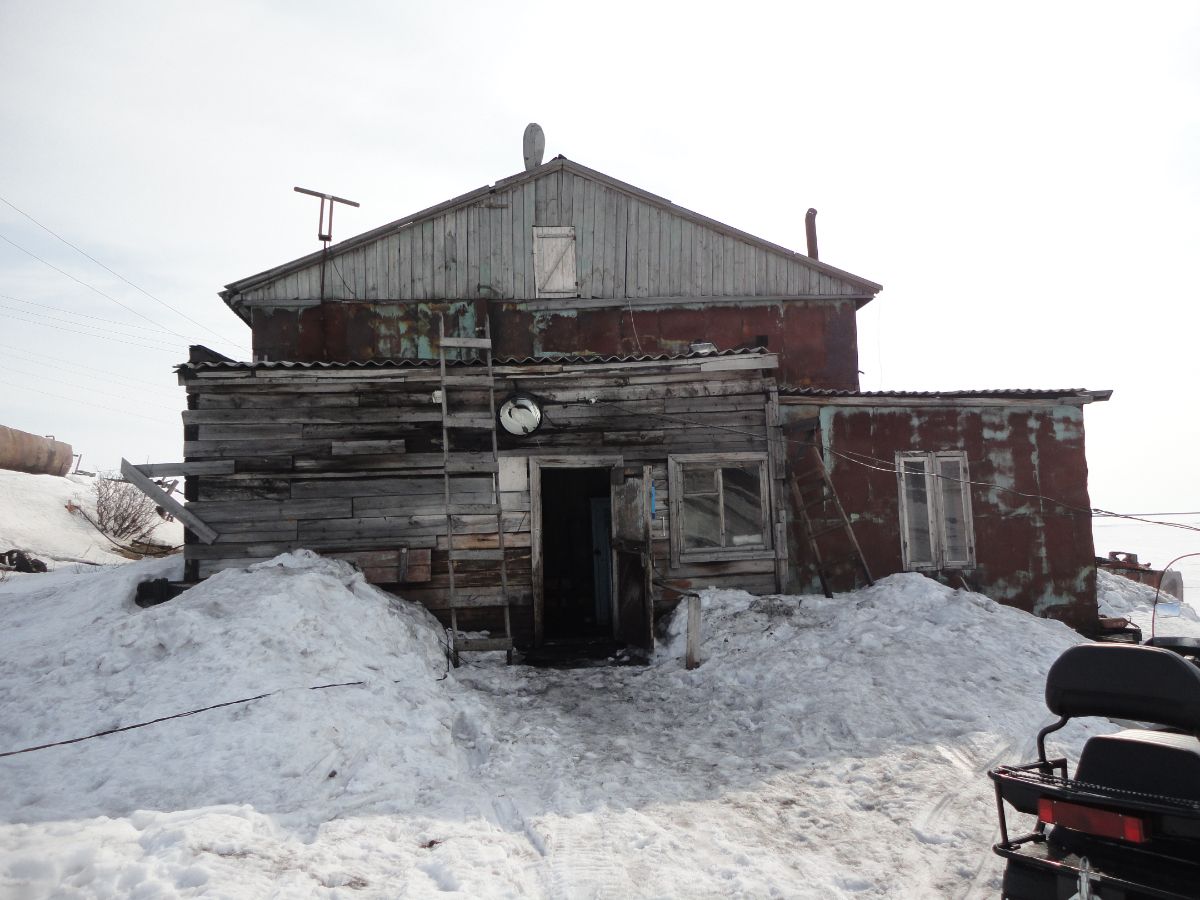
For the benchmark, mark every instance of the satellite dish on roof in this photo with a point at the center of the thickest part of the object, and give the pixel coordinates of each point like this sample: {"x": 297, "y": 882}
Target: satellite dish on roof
{"x": 534, "y": 145}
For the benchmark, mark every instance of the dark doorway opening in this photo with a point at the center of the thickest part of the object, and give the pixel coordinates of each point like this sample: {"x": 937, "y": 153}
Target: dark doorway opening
{"x": 577, "y": 554}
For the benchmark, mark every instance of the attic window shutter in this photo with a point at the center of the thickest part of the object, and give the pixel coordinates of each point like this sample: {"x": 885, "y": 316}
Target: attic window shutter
{"x": 554, "y": 261}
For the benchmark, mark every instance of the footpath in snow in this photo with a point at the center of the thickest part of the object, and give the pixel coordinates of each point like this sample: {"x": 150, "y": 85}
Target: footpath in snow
{"x": 825, "y": 748}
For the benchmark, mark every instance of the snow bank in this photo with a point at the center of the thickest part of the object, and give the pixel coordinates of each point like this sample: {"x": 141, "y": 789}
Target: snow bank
{"x": 825, "y": 748}
{"x": 34, "y": 518}
{"x": 1122, "y": 597}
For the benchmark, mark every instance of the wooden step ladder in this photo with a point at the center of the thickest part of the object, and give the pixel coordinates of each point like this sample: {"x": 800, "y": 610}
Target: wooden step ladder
{"x": 812, "y": 491}
{"x": 473, "y": 378}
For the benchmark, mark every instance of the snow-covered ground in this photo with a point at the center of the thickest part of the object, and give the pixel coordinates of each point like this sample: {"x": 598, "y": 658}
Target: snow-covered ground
{"x": 824, "y": 748}
{"x": 34, "y": 518}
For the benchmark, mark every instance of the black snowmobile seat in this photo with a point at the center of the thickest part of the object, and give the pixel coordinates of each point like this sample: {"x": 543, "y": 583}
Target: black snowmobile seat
{"x": 1161, "y": 763}
{"x": 1145, "y": 684}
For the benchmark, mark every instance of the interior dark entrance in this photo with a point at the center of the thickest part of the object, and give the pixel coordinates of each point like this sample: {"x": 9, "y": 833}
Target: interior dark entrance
{"x": 577, "y": 553}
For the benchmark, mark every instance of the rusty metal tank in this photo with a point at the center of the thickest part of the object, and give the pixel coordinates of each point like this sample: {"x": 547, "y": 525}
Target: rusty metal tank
{"x": 25, "y": 452}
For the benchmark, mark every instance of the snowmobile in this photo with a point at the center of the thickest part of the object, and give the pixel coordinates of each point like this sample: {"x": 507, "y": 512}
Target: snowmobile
{"x": 1127, "y": 824}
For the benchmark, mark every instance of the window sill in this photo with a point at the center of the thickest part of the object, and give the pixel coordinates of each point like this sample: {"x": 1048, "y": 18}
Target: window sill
{"x": 702, "y": 556}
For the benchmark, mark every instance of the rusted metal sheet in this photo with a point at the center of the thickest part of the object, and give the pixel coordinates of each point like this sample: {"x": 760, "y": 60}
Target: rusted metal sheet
{"x": 1030, "y": 551}
{"x": 817, "y": 340}
{"x": 25, "y": 452}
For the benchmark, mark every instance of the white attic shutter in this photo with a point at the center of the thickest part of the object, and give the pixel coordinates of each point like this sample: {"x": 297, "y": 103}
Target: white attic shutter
{"x": 554, "y": 261}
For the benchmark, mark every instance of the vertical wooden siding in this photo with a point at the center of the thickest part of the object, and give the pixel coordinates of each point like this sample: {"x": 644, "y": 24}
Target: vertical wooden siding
{"x": 625, "y": 247}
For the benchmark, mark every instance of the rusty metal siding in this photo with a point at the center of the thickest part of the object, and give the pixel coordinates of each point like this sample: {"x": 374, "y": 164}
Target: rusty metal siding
{"x": 817, "y": 340}
{"x": 1031, "y": 553}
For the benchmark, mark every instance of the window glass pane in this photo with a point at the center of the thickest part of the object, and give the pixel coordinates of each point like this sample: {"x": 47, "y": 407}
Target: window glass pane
{"x": 742, "y": 490}
{"x": 701, "y": 522}
{"x": 916, "y": 505}
{"x": 955, "y": 519}
{"x": 699, "y": 479}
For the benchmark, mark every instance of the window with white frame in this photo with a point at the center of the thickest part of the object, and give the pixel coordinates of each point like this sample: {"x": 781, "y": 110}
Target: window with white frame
{"x": 935, "y": 510}
{"x": 720, "y": 506}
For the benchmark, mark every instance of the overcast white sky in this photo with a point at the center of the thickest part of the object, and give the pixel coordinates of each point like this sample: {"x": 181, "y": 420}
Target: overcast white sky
{"x": 1023, "y": 180}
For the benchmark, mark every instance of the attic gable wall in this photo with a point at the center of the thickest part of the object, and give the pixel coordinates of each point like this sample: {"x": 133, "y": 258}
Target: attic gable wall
{"x": 627, "y": 246}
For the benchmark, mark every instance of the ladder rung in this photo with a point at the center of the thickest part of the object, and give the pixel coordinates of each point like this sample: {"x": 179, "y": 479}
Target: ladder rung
{"x": 467, "y": 555}
{"x": 481, "y": 381}
{"x": 467, "y": 343}
{"x": 503, "y": 643}
{"x": 463, "y": 466}
{"x": 467, "y": 420}
{"x": 829, "y": 529}
{"x": 473, "y": 509}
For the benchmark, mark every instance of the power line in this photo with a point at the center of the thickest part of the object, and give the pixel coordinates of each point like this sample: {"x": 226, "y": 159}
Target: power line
{"x": 71, "y": 321}
{"x": 116, "y": 274}
{"x": 102, "y": 337}
{"x": 125, "y": 412}
{"x": 109, "y": 376}
{"x": 73, "y": 384}
{"x": 72, "y": 312}
{"x": 89, "y": 286}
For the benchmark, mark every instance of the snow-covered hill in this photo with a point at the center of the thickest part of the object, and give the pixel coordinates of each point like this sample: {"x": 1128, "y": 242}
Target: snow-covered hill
{"x": 824, "y": 748}
{"x": 34, "y": 518}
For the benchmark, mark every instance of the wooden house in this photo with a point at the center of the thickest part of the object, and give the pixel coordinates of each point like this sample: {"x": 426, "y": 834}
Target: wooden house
{"x": 551, "y": 405}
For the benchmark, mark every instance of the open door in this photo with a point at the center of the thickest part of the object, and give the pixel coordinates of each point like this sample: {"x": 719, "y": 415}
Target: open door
{"x": 633, "y": 602}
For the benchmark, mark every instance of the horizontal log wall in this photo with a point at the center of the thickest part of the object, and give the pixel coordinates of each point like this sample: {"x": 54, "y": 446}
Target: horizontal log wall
{"x": 347, "y": 462}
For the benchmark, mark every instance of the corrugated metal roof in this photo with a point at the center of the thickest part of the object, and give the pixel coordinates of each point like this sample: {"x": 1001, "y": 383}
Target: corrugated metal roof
{"x": 564, "y": 359}
{"x": 995, "y": 393}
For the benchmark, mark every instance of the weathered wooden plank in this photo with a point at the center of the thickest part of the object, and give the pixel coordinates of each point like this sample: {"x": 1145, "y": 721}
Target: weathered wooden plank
{"x": 366, "y": 487}
{"x": 487, "y": 256}
{"x": 461, "y": 254}
{"x": 404, "y": 279}
{"x": 504, "y": 286}
{"x": 520, "y": 241}
{"x": 603, "y": 242}
{"x": 246, "y": 431}
{"x": 437, "y": 259}
{"x": 639, "y": 225}
{"x": 357, "y": 448}
{"x": 473, "y": 255}
{"x": 529, "y": 204}
{"x": 621, "y": 238}
{"x": 584, "y": 204}
{"x": 198, "y": 526}
{"x": 211, "y": 467}
{"x": 566, "y": 198}
{"x": 703, "y": 261}
{"x": 650, "y": 251}
{"x": 225, "y": 449}
{"x": 216, "y": 511}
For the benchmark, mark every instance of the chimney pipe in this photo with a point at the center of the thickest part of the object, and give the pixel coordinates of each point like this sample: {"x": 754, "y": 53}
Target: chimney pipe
{"x": 810, "y": 230}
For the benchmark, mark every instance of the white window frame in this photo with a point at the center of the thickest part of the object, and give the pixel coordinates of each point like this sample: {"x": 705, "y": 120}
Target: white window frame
{"x": 675, "y": 466}
{"x": 554, "y": 255}
{"x": 936, "y": 521}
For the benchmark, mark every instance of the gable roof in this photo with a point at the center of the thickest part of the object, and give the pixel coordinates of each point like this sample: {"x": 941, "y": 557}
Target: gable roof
{"x": 686, "y": 254}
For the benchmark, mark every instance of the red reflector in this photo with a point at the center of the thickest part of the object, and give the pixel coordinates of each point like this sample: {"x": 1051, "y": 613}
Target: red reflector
{"x": 1099, "y": 822}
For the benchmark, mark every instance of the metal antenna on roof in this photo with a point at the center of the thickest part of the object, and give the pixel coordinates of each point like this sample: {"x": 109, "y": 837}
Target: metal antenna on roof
{"x": 325, "y": 224}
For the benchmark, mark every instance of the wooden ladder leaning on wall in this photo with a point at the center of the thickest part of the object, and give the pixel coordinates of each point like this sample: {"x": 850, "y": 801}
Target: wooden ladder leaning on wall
{"x": 472, "y": 378}
{"x": 812, "y": 489}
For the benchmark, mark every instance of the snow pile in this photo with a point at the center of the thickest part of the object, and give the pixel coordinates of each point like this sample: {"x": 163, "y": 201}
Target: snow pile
{"x": 34, "y": 518}
{"x": 825, "y": 748}
{"x": 1125, "y": 598}
{"x": 79, "y": 657}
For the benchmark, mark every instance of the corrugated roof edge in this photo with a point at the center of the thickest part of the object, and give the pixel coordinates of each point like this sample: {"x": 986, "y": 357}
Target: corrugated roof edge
{"x": 994, "y": 393}
{"x": 559, "y": 162}
{"x": 568, "y": 359}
